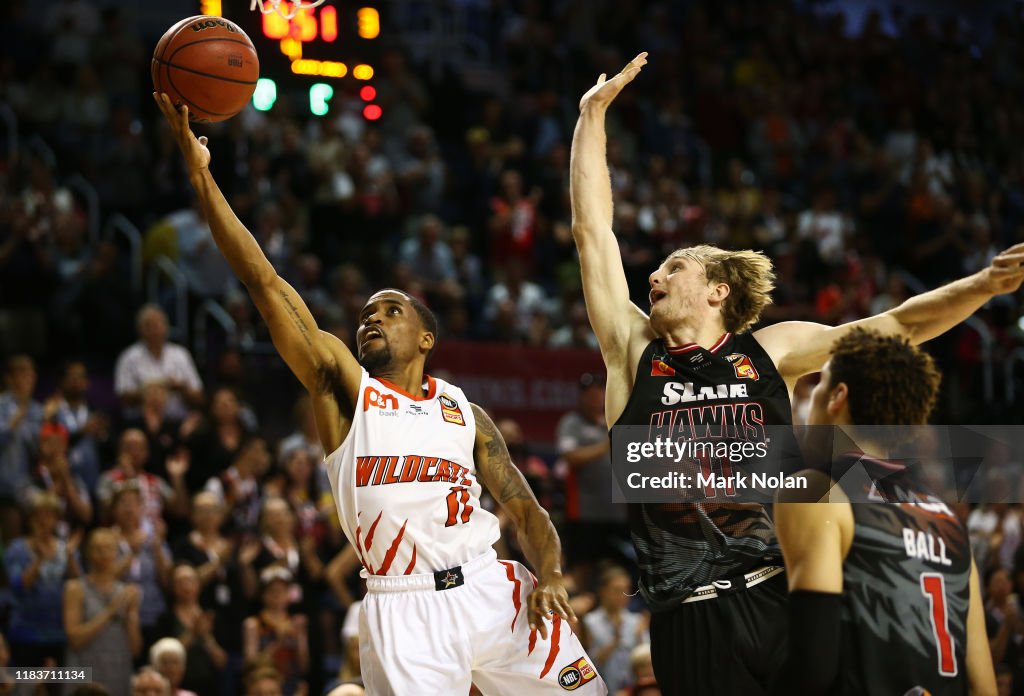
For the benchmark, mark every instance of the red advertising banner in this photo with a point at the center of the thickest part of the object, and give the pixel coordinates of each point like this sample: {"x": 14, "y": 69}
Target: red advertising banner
{"x": 535, "y": 386}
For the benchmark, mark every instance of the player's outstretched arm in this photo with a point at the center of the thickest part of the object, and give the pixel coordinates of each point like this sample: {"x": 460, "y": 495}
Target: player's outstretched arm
{"x": 981, "y": 676}
{"x": 615, "y": 319}
{"x": 309, "y": 352}
{"x": 799, "y": 348}
{"x": 537, "y": 535}
{"x": 815, "y": 539}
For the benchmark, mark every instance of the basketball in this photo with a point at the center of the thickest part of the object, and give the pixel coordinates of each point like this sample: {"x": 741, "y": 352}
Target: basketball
{"x": 208, "y": 64}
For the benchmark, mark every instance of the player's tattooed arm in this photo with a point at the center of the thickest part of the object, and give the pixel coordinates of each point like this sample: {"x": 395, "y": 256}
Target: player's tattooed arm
{"x": 309, "y": 352}
{"x": 537, "y": 536}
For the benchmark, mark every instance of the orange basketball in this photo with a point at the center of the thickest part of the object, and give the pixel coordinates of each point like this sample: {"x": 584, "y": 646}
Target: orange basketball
{"x": 208, "y": 64}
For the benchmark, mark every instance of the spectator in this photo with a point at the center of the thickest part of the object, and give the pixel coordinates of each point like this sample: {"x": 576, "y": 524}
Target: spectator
{"x": 193, "y": 626}
{"x": 143, "y": 555}
{"x": 594, "y": 528}
{"x": 149, "y": 682}
{"x": 298, "y": 485}
{"x": 430, "y": 259}
{"x": 37, "y": 566}
{"x": 101, "y": 617}
{"x": 237, "y": 488}
{"x": 21, "y": 417}
{"x": 279, "y": 546}
{"x": 515, "y": 298}
{"x": 613, "y": 631}
{"x": 275, "y": 637}
{"x": 153, "y": 359}
{"x": 163, "y": 432}
{"x": 217, "y": 442}
{"x": 1003, "y": 620}
{"x": 132, "y": 455}
{"x": 644, "y": 683}
{"x": 167, "y": 656}
{"x": 87, "y": 427}
{"x": 513, "y": 222}
{"x": 53, "y": 475}
{"x": 263, "y": 681}
{"x": 304, "y": 436}
{"x": 216, "y": 561}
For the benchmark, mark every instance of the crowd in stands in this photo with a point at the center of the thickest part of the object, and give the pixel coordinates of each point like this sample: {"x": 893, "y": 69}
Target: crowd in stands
{"x": 147, "y": 516}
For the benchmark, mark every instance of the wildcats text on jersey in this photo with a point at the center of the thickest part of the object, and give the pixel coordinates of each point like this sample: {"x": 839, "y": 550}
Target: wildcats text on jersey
{"x": 413, "y": 467}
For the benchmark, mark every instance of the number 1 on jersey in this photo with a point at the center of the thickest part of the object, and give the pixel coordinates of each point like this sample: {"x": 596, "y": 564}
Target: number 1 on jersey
{"x": 933, "y": 586}
{"x": 459, "y": 497}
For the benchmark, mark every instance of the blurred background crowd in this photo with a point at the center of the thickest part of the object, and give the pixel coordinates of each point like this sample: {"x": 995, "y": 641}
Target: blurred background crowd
{"x": 872, "y": 153}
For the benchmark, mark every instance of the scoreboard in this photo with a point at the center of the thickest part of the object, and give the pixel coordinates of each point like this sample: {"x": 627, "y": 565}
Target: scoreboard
{"x": 317, "y": 49}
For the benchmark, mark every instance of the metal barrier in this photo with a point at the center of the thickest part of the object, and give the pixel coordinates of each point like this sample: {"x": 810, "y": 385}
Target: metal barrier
{"x": 163, "y": 266}
{"x": 10, "y": 121}
{"x": 979, "y": 327}
{"x": 212, "y": 310}
{"x": 80, "y": 185}
{"x": 119, "y": 224}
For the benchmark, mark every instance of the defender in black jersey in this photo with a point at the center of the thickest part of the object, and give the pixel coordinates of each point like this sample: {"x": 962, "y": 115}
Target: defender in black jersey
{"x": 885, "y": 597}
{"x": 710, "y": 571}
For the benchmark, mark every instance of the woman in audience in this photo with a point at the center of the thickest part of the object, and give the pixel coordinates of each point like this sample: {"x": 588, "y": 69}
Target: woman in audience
{"x": 37, "y": 566}
{"x": 101, "y": 617}
{"x": 613, "y": 630}
{"x": 192, "y": 625}
{"x": 276, "y": 637}
{"x": 143, "y": 556}
{"x": 167, "y": 656}
{"x": 217, "y": 440}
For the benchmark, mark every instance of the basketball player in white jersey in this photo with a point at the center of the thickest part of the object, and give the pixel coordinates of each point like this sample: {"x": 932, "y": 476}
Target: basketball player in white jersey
{"x": 408, "y": 454}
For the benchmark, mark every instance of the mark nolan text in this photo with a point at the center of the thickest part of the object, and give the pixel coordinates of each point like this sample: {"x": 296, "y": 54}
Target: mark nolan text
{"x": 675, "y": 479}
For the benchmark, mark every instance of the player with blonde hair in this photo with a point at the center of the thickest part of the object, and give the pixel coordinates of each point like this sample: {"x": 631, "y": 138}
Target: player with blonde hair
{"x": 711, "y": 571}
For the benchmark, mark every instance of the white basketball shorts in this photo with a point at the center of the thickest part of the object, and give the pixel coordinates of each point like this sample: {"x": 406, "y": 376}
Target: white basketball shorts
{"x": 439, "y": 633}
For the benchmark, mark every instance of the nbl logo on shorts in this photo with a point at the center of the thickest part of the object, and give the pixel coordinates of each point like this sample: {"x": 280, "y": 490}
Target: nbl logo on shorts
{"x": 576, "y": 675}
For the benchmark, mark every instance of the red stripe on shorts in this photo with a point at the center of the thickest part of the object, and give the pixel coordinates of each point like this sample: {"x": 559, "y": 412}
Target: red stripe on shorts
{"x": 510, "y": 571}
{"x": 556, "y": 626}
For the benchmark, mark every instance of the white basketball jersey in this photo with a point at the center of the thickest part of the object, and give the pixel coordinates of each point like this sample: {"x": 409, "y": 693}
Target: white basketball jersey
{"x": 405, "y": 482}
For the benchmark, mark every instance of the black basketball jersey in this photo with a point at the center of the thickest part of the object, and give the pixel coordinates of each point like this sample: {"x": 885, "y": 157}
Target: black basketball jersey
{"x": 906, "y": 586}
{"x": 683, "y": 546}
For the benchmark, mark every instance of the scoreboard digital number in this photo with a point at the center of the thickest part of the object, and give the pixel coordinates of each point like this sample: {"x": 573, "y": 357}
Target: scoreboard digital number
{"x": 335, "y": 40}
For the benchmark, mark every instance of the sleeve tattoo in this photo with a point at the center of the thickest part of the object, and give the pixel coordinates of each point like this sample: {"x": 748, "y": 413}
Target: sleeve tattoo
{"x": 503, "y": 479}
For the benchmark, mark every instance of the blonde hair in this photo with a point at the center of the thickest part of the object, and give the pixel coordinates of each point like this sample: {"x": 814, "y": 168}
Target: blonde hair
{"x": 748, "y": 274}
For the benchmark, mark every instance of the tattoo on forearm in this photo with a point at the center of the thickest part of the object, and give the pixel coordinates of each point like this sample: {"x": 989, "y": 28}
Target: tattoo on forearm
{"x": 297, "y": 318}
{"x": 502, "y": 477}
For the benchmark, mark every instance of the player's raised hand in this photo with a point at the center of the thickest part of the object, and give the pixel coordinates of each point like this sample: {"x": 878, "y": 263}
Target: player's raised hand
{"x": 604, "y": 92}
{"x": 197, "y": 155}
{"x": 549, "y": 596}
{"x": 1006, "y": 272}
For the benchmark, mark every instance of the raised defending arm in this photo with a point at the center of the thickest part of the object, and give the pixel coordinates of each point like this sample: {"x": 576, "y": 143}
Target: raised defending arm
{"x": 615, "y": 319}
{"x": 798, "y": 348}
{"x": 537, "y": 535}
{"x": 309, "y": 352}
